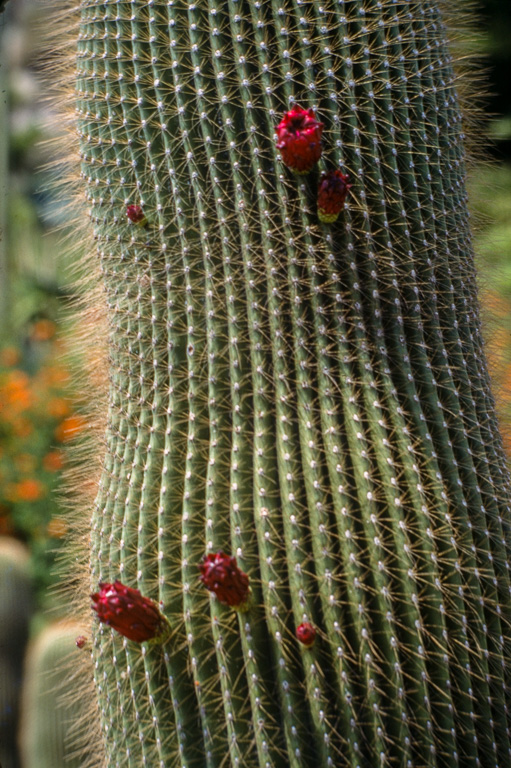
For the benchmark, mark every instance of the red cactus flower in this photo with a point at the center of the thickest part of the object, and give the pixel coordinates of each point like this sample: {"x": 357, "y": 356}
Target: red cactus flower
{"x": 221, "y": 575}
{"x": 332, "y": 191}
{"x": 130, "y": 613}
{"x": 136, "y": 215}
{"x": 299, "y": 135}
{"x": 306, "y": 634}
{"x": 80, "y": 641}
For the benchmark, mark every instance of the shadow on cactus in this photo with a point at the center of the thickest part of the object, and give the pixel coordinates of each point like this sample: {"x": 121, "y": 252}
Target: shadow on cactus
{"x": 309, "y": 396}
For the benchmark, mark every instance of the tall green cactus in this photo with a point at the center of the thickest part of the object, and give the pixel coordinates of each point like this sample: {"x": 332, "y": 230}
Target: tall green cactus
{"x": 310, "y": 398}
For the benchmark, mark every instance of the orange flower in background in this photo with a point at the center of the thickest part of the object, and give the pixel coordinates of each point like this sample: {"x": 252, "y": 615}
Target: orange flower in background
{"x": 15, "y": 395}
{"x": 70, "y": 428}
{"x": 29, "y": 489}
{"x": 43, "y": 330}
{"x": 9, "y": 357}
{"x": 53, "y": 461}
{"x": 37, "y": 415}
{"x": 16, "y": 380}
{"x": 58, "y": 407}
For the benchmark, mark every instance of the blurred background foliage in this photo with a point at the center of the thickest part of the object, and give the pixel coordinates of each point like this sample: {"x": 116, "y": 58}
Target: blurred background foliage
{"x": 39, "y": 414}
{"x": 496, "y": 43}
{"x": 38, "y": 408}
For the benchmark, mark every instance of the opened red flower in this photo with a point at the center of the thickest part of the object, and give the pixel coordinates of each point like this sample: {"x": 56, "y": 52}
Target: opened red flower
{"x": 306, "y": 634}
{"x": 136, "y": 215}
{"x": 332, "y": 191}
{"x": 130, "y": 613}
{"x": 221, "y": 575}
{"x": 299, "y": 135}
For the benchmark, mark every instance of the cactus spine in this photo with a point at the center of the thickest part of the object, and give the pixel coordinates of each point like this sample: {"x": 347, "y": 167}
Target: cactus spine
{"x": 311, "y": 398}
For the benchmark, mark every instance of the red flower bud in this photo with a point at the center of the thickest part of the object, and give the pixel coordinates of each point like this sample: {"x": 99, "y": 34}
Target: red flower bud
{"x": 306, "y": 634}
{"x": 80, "y": 641}
{"x": 130, "y": 613}
{"x": 332, "y": 191}
{"x": 221, "y": 575}
{"x": 299, "y": 142}
{"x": 136, "y": 215}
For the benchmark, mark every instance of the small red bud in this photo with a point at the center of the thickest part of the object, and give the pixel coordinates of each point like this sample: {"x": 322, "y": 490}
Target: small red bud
{"x": 332, "y": 191}
{"x": 221, "y": 575}
{"x": 306, "y": 634}
{"x": 130, "y": 613}
{"x": 136, "y": 215}
{"x": 80, "y": 641}
{"x": 299, "y": 135}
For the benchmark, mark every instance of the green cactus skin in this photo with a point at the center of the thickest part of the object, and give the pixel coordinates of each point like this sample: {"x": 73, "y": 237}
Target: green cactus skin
{"x": 54, "y": 714}
{"x": 15, "y": 612}
{"x": 311, "y": 398}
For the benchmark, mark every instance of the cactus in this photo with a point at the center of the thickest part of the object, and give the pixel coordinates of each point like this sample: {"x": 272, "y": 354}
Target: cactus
{"x": 54, "y": 714}
{"x": 15, "y": 613}
{"x": 308, "y": 396}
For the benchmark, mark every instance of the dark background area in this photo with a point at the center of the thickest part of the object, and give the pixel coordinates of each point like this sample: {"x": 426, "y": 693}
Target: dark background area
{"x": 496, "y": 19}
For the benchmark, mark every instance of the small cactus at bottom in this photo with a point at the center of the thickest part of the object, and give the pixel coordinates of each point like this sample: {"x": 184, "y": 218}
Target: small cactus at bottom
{"x": 54, "y": 715}
{"x": 15, "y": 613}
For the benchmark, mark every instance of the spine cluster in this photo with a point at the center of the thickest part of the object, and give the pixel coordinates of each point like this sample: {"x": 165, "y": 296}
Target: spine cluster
{"x": 298, "y": 381}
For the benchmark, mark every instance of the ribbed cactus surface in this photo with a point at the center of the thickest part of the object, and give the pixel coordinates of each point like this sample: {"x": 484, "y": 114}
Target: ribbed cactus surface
{"x": 312, "y": 399}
